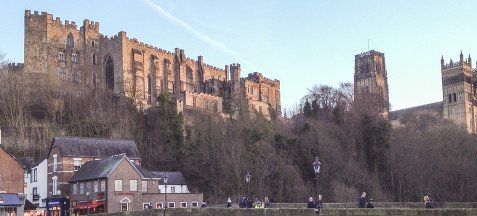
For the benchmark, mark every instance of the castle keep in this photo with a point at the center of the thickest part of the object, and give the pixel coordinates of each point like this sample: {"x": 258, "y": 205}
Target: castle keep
{"x": 85, "y": 58}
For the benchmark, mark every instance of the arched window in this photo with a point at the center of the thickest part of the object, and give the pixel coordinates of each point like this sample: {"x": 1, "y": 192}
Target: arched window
{"x": 70, "y": 41}
{"x": 61, "y": 56}
{"x": 74, "y": 58}
{"x": 94, "y": 79}
{"x": 109, "y": 72}
{"x": 149, "y": 89}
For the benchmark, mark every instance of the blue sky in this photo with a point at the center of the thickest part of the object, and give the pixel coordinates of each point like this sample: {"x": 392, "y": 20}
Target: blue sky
{"x": 302, "y": 43}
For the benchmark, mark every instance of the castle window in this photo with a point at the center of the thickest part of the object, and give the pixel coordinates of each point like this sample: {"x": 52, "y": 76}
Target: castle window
{"x": 74, "y": 58}
{"x": 70, "y": 41}
{"x": 194, "y": 101}
{"x": 76, "y": 78}
{"x": 62, "y": 72}
{"x": 450, "y": 98}
{"x": 206, "y": 104}
{"x": 92, "y": 43}
{"x": 94, "y": 79}
{"x": 61, "y": 56}
{"x": 149, "y": 89}
{"x": 216, "y": 106}
{"x": 94, "y": 58}
{"x": 455, "y": 97}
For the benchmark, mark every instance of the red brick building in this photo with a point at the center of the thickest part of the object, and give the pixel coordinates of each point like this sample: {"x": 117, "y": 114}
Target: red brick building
{"x": 67, "y": 155}
{"x": 11, "y": 173}
{"x": 117, "y": 184}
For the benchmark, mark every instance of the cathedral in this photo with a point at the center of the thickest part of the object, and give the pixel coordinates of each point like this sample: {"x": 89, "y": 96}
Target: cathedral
{"x": 85, "y": 58}
{"x": 459, "y": 91}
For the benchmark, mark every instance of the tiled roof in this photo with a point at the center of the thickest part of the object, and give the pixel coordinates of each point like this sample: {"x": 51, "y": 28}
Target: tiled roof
{"x": 95, "y": 147}
{"x": 98, "y": 168}
{"x": 173, "y": 178}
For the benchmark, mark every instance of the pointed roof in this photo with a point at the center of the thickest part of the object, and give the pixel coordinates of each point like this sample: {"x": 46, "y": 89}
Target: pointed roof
{"x": 13, "y": 157}
{"x": 94, "y": 147}
{"x": 173, "y": 178}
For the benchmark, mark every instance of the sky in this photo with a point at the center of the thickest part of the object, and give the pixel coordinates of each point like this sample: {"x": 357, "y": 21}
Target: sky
{"x": 301, "y": 43}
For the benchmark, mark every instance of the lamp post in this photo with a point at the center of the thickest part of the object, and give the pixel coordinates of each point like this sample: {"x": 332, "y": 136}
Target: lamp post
{"x": 316, "y": 168}
{"x": 247, "y": 181}
{"x": 88, "y": 192}
{"x": 165, "y": 193}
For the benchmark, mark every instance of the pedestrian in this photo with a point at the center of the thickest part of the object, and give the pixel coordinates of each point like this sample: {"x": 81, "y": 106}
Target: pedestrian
{"x": 257, "y": 203}
{"x": 229, "y": 203}
{"x": 370, "y": 204}
{"x": 428, "y": 202}
{"x": 319, "y": 202}
{"x": 266, "y": 203}
{"x": 362, "y": 200}
{"x": 204, "y": 205}
{"x": 311, "y": 203}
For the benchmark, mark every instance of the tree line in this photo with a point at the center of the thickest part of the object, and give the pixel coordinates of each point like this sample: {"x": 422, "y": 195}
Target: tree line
{"x": 359, "y": 150}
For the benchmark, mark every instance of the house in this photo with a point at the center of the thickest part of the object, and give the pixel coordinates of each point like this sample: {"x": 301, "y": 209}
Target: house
{"x": 12, "y": 199}
{"x": 118, "y": 184}
{"x": 67, "y": 155}
{"x": 36, "y": 186}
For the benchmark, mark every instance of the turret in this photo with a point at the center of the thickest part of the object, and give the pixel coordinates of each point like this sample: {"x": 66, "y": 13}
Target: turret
{"x": 235, "y": 72}
{"x": 469, "y": 60}
{"x": 442, "y": 61}
{"x": 461, "y": 57}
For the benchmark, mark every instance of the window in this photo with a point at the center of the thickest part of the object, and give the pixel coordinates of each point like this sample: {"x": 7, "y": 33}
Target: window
{"x": 74, "y": 58}
{"x": 171, "y": 205}
{"x": 195, "y": 204}
{"x": 81, "y": 188}
{"x": 216, "y": 107}
{"x": 144, "y": 186}
{"x": 194, "y": 101}
{"x": 61, "y": 56}
{"x": 173, "y": 189}
{"x": 94, "y": 59}
{"x": 94, "y": 79}
{"x": 75, "y": 188}
{"x": 206, "y": 104}
{"x": 124, "y": 206}
{"x": 55, "y": 163}
{"x": 93, "y": 43}
{"x": 455, "y": 97}
{"x": 133, "y": 185}
{"x": 103, "y": 185}
{"x": 62, "y": 71}
{"x": 35, "y": 175}
{"x": 35, "y": 191}
{"x": 95, "y": 186}
{"x": 55, "y": 185}
{"x": 118, "y": 185}
{"x": 76, "y": 78}
{"x": 183, "y": 204}
{"x": 159, "y": 205}
{"x": 88, "y": 186}
{"x": 450, "y": 98}
{"x": 70, "y": 41}
{"x": 77, "y": 163}
{"x": 146, "y": 206}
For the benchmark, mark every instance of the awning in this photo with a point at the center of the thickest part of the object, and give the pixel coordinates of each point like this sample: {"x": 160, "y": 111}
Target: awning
{"x": 90, "y": 205}
{"x": 10, "y": 200}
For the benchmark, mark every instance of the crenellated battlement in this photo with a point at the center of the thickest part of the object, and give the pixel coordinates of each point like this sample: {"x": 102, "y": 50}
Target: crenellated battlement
{"x": 260, "y": 78}
{"x": 87, "y": 24}
{"x": 213, "y": 67}
{"x": 462, "y": 62}
{"x": 15, "y": 66}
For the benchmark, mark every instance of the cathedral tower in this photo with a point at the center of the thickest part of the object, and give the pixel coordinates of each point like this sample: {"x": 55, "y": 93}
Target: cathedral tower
{"x": 459, "y": 93}
{"x": 371, "y": 82}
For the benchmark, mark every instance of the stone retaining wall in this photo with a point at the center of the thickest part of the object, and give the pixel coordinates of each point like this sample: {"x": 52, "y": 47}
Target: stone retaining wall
{"x": 301, "y": 212}
{"x": 381, "y": 205}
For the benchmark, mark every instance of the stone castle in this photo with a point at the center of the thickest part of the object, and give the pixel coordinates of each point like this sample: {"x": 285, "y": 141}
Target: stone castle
{"x": 86, "y": 58}
{"x": 459, "y": 90}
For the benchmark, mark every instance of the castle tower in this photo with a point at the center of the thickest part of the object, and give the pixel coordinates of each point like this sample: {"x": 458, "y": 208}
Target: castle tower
{"x": 235, "y": 93}
{"x": 459, "y": 92}
{"x": 371, "y": 82}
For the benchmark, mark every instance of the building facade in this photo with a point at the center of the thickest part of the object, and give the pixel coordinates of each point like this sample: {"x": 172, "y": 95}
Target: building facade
{"x": 68, "y": 154}
{"x": 116, "y": 184}
{"x": 37, "y": 180}
{"x": 459, "y": 92}
{"x": 84, "y": 58}
{"x": 12, "y": 199}
{"x": 371, "y": 82}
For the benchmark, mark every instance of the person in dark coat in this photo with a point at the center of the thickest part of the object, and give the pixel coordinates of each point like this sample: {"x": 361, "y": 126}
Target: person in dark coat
{"x": 370, "y": 204}
{"x": 429, "y": 202}
{"x": 362, "y": 200}
{"x": 310, "y": 203}
{"x": 229, "y": 203}
{"x": 319, "y": 202}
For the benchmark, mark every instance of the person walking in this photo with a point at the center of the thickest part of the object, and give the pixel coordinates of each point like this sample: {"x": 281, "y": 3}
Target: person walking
{"x": 319, "y": 203}
{"x": 311, "y": 203}
{"x": 266, "y": 203}
{"x": 362, "y": 200}
{"x": 229, "y": 203}
{"x": 428, "y": 202}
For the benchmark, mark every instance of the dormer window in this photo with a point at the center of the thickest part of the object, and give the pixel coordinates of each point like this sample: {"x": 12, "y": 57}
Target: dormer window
{"x": 70, "y": 41}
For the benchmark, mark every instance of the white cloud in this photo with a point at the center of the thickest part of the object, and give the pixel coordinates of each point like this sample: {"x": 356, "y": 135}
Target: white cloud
{"x": 205, "y": 38}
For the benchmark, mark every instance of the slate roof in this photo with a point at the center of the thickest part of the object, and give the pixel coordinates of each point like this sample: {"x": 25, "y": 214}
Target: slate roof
{"x": 173, "y": 178}
{"x": 10, "y": 200}
{"x": 27, "y": 162}
{"x": 95, "y": 147}
{"x": 98, "y": 168}
{"x": 145, "y": 173}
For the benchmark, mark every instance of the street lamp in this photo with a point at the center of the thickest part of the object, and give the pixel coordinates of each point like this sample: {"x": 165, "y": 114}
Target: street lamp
{"x": 88, "y": 192}
{"x": 247, "y": 181}
{"x": 316, "y": 167}
{"x": 165, "y": 193}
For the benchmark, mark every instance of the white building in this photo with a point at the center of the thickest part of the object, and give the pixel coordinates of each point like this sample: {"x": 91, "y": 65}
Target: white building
{"x": 175, "y": 184}
{"x": 36, "y": 185}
